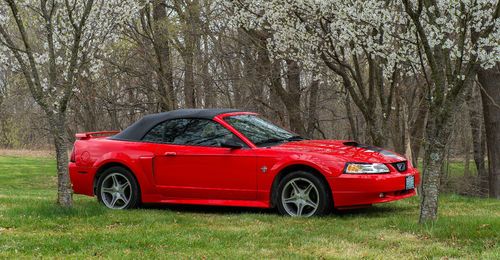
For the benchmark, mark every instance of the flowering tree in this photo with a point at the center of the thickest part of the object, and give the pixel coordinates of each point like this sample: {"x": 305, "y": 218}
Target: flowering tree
{"x": 369, "y": 43}
{"x": 53, "y": 43}
{"x": 357, "y": 40}
{"x": 457, "y": 38}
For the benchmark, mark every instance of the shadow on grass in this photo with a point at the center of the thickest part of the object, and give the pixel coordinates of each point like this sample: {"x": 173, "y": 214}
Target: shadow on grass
{"x": 222, "y": 210}
{"x": 373, "y": 211}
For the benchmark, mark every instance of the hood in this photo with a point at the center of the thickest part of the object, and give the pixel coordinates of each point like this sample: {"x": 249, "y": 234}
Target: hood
{"x": 347, "y": 151}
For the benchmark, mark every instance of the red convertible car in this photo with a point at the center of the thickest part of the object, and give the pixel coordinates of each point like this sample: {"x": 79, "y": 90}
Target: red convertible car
{"x": 233, "y": 158}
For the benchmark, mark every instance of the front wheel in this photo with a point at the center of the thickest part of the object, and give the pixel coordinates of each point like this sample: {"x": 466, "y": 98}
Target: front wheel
{"x": 117, "y": 189}
{"x": 302, "y": 194}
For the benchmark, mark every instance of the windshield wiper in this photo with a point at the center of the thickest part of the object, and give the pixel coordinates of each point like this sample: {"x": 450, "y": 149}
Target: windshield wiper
{"x": 281, "y": 140}
{"x": 295, "y": 138}
{"x": 270, "y": 141}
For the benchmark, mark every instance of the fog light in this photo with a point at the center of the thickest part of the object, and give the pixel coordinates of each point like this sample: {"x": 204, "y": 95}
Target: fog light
{"x": 381, "y": 195}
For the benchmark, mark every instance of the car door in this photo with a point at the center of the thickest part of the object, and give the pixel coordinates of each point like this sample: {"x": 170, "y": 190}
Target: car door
{"x": 191, "y": 164}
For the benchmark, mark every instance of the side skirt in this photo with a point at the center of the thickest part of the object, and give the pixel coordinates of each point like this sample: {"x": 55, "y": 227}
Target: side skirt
{"x": 232, "y": 203}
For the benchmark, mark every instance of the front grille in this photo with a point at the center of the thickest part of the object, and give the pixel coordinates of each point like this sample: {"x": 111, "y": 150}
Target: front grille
{"x": 400, "y": 166}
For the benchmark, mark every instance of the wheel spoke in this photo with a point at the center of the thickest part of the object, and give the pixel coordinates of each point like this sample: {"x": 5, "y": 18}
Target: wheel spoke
{"x": 290, "y": 200}
{"x": 295, "y": 187}
{"x": 308, "y": 190}
{"x": 300, "y": 207}
{"x": 107, "y": 190}
{"x": 114, "y": 200}
{"x": 124, "y": 186}
{"x": 115, "y": 181}
{"x": 311, "y": 203}
{"x": 123, "y": 198}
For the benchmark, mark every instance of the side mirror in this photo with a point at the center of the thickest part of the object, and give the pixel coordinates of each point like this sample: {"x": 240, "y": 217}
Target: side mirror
{"x": 232, "y": 144}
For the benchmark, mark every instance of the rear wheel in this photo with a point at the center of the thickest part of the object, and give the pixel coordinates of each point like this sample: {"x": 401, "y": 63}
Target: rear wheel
{"x": 117, "y": 189}
{"x": 302, "y": 194}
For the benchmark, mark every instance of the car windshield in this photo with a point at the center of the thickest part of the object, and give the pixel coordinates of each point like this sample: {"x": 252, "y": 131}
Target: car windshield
{"x": 260, "y": 131}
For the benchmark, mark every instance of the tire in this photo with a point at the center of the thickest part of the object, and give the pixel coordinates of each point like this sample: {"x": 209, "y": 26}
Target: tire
{"x": 302, "y": 194}
{"x": 118, "y": 189}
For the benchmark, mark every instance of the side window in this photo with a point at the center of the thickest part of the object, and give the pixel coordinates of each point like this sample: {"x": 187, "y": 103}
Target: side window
{"x": 175, "y": 128}
{"x": 156, "y": 134}
{"x": 201, "y": 132}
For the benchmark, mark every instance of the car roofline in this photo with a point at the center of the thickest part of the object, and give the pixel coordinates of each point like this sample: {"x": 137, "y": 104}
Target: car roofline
{"x": 138, "y": 129}
{"x": 235, "y": 114}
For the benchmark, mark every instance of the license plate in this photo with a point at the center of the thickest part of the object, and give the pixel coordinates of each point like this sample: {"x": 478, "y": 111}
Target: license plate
{"x": 410, "y": 182}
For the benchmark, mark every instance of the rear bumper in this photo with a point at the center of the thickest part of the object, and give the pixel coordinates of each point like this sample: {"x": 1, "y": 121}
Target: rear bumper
{"x": 352, "y": 190}
{"x": 82, "y": 179}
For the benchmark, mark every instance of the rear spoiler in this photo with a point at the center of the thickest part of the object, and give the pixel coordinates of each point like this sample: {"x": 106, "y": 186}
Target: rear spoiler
{"x": 89, "y": 135}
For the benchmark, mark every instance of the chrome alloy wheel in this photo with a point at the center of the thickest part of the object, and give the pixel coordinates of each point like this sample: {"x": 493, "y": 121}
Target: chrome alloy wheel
{"x": 300, "y": 197}
{"x": 116, "y": 191}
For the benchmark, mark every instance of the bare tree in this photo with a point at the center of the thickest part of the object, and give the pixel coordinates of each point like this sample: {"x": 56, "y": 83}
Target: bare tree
{"x": 188, "y": 45}
{"x": 490, "y": 93}
{"x": 160, "y": 38}
{"x": 473, "y": 102}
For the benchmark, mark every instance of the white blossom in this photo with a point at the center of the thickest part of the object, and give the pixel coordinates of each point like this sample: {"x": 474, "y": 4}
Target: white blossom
{"x": 303, "y": 29}
{"x": 101, "y": 29}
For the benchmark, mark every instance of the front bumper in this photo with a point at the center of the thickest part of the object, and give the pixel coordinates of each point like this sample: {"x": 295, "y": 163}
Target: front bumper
{"x": 366, "y": 189}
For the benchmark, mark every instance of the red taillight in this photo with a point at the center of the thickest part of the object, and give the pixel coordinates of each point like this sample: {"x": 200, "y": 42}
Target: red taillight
{"x": 72, "y": 158}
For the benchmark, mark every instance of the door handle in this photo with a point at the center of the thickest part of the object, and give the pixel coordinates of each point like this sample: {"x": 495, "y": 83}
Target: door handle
{"x": 170, "y": 154}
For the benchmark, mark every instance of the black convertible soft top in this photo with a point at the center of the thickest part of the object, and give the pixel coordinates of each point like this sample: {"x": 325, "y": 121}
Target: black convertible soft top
{"x": 137, "y": 130}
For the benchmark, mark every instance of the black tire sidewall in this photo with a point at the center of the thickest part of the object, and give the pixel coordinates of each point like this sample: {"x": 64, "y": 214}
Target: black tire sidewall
{"x": 135, "y": 198}
{"x": 325, "y": 201}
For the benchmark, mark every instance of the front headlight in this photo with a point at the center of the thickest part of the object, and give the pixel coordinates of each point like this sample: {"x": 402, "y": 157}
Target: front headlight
{"x": 360, "y": 168}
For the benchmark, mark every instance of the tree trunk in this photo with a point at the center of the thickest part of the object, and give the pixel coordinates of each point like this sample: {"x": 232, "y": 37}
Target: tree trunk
{"x": 191, "y": 39}
{"x": 437, "y": 132}
{"x": 258, "y": 71}
{"x": 490, "y": 94}
{"x": 275, "y": 99}
{"x": 417, "y": 129}
{"x": 189, "y": 93}
{"x": 375, "y": 131}
{"x": 398, "y": 127}
{"x": 208, "y": 89}
{"x": 58, "y": 131}
{"x": 406, "y": 133}
{"x": 236, "y": 83}
{"x": 312, "y": 119}
{"x": 352, "y": 119}
{"x": 466, "y": 159}
{"x": 162, "y": 53}
{"x": 292, "y": 99}
{"x": 113, "y": 115}
{"x": 476, "y": 125}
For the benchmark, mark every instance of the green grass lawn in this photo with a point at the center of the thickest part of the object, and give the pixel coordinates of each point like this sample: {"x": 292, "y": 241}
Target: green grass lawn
{"x": 31, "y": 225}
